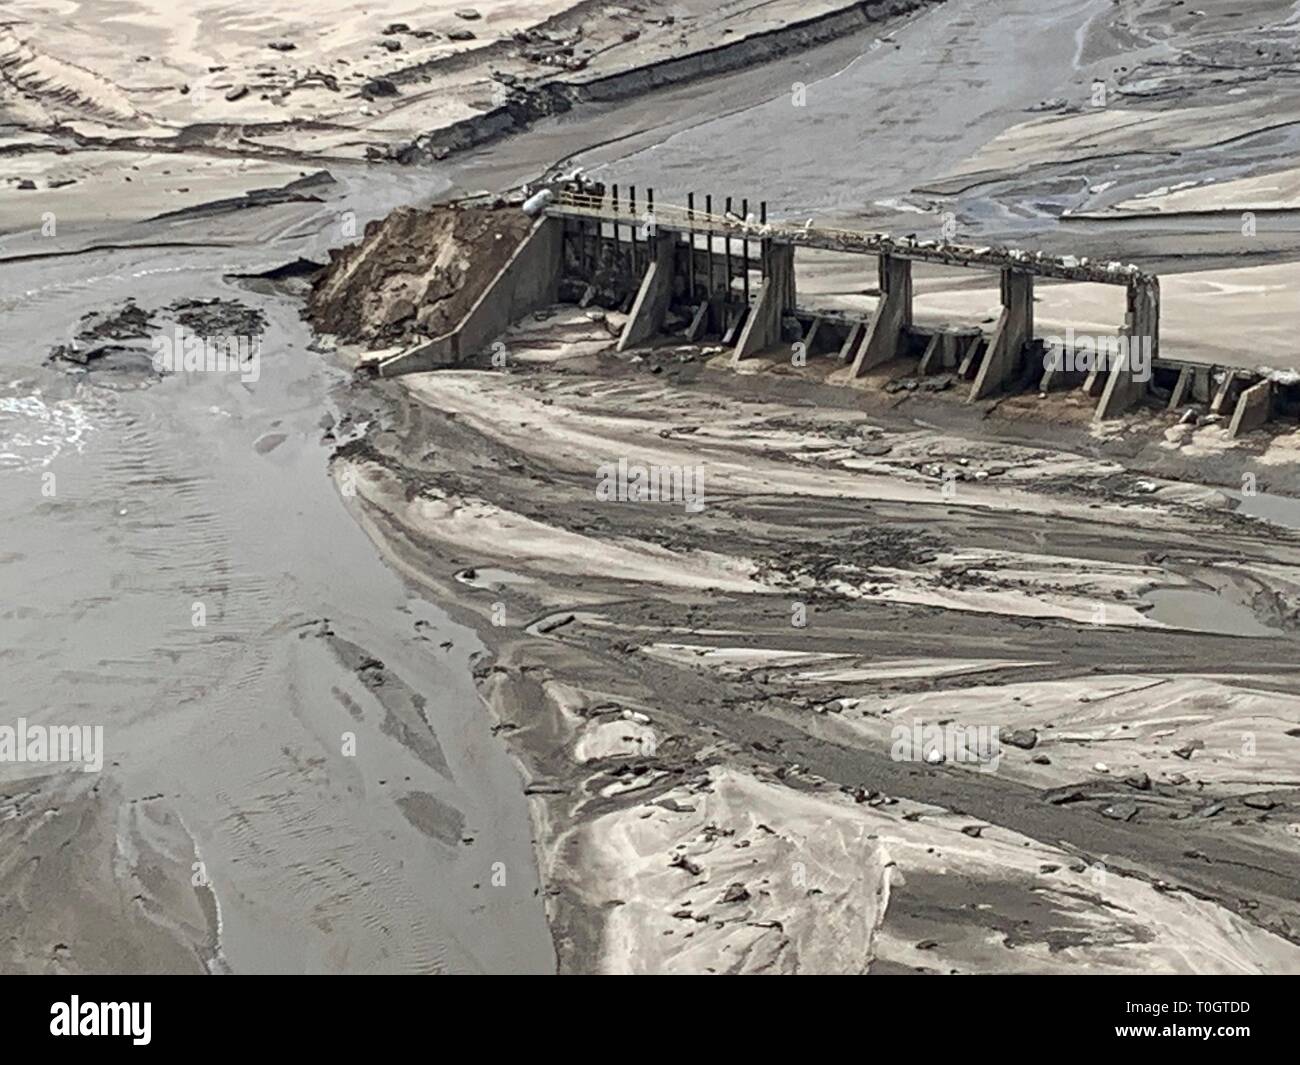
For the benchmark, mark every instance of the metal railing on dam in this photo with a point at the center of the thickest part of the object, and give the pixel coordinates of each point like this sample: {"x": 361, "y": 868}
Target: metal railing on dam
{"x": 687, "y": 219}
{"x": 993, "y": 364}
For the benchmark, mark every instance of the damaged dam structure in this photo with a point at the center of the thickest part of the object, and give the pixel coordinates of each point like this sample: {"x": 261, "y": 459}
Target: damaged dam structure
{"x": 730, "y": 273}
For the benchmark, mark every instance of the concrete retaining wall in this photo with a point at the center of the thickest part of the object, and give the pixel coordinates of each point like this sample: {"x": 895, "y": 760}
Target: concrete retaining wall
{"x": 562, "y": 94}
{"x": 529, "y": 281}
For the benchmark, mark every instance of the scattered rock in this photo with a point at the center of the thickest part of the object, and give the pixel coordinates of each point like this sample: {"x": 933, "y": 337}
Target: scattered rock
{"x": 217, "y": 317}
{"x": 1024, "y": 738}
{"x": 683, "y": 862}
{"x": 1120, "y": 811}
{"x": 377, "y": 87}
{"x": 1186, "y": 751}
{"x": 736, "y": 893}
{"x": 1060, "y": 796}
{"x": 1138, "y": 780}
{"x": 236, "y": 92}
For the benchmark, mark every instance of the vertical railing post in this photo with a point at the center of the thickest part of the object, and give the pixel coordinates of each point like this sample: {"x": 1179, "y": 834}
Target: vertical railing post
{"x": 690, "y": 241}
{"x": 726, "y": 231}
{"x": 618, "y": 251}
{"x": 631, "y": 210}
{"x": 708, "y": 229}
{"x": 744, "y": 255}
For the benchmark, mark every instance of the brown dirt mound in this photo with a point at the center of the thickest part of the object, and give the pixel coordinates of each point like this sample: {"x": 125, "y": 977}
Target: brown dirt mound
{"x": 414, "y": 274}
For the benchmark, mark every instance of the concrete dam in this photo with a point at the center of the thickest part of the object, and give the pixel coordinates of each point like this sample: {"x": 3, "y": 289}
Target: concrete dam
{"x": 730, "y": 273}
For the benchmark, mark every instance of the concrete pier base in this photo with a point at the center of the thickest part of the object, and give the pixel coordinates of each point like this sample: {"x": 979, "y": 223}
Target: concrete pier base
{"x": 1182, "y": 389}
{"x": 811, "y": 335}
{"x": 1142, "y": 314}
{"x": 893, "y": 315}
{"x": 1121, "y": 391}
{"x": 851, "y": 341}
{"x": 931, "y": 356}
{"x": 651, "y": 305}
{"x": 1004, "y": 361}
{"x": 1223, "y": 392}
{"x": 969, "y": 364}
{"x": 1141, "y": 324}
{"x": 775, "y": 299}
{"x": 1254, "y": 408}
{"x": 698, "y": 320}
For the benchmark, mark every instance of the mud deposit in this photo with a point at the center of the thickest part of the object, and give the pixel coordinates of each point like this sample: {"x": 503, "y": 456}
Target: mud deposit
{"x": 709, "y": 703}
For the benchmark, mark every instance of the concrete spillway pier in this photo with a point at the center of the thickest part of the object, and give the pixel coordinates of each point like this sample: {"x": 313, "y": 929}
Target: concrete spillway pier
{"x": 718, "y": 270}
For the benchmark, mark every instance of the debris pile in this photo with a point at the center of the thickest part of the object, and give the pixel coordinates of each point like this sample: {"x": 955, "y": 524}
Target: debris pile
{"x": 414, "y": 274}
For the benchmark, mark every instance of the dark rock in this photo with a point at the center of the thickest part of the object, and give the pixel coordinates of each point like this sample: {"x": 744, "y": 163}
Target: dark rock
{"x": 377, "y": 87}
{"x": 736, "y": 893}
{"x": 1024, "y": 738}
{"x": 1061, "y": 796}
{"x": 1120, "y": 811}
{"x": 683, "y": 862}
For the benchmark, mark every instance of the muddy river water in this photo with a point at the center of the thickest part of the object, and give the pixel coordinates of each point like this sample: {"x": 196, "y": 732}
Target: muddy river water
{"x": 174, "y": 550}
